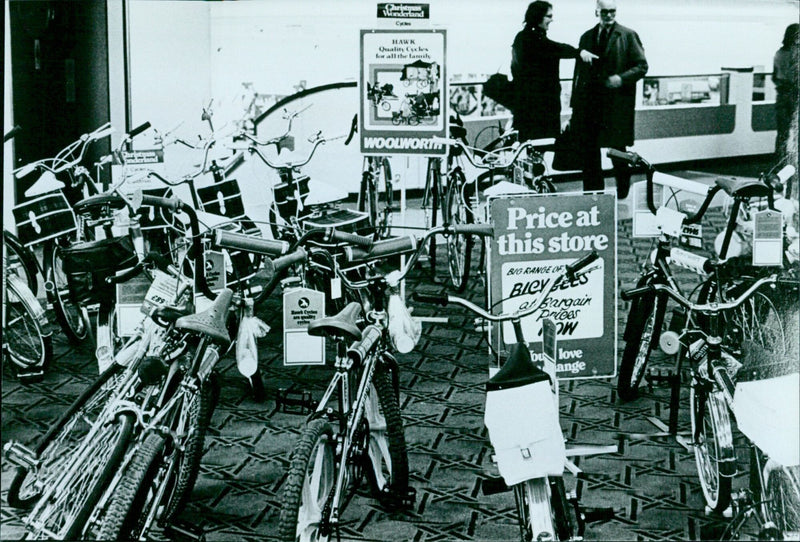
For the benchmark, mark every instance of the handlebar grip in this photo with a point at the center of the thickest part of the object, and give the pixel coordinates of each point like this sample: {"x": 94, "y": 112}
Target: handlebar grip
{"x": 125, "y": 276}
{"x": 359, "y": 350}
{"x": 484, "y": 230}
{"x": 630, "y": 157}
{"x": 97, "y": 136}
{"x": 350, "y": 238}
{"x": 434, "y": 299}
{"x": 298, "y": 256}
{"x": 785, "y": 173}
{"x": 138, "y": 130}
{"x": 173, "y": 204}
{"x": 577, "y": 265}
{"x": 627, "y": 295}
{"x": 443, "y": 140}
{"x": 381, "y": 249}
{"x": 11, "y": 133}
{"x": 249, "y": 243}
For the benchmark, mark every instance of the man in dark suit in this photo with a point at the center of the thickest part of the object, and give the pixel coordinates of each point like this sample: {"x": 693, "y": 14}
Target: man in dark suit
{"x": 603, "y": 95}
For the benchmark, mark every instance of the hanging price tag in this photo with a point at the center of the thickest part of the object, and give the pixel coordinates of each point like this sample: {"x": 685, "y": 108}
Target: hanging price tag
{"x": 301, "y": 306}
{"x": 767, "y": 238}
{"x": 161, "y": 292}
{"x": 215, "y": 270}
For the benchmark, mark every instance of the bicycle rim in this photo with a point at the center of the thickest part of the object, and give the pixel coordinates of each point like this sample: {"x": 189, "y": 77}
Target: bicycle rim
{"x": 63, "y": 509}
{"x": 309, "y": 483}
{"x": 782, "y": 498}
{"x": 711, "y": 430}
{"x": 536, "y": 514}
{"x": 23, "y": 338}
{"x": 72, "y": 317}
{"x": 637, "y": 351}
{"x": 459, "y": 247}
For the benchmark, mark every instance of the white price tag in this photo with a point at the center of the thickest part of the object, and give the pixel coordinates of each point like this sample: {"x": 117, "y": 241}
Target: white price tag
{"x": 301, "y": 306}
{"x": 161, "y": 292}
{"x": 767, "y": 238}
{"x": 336, "y": 288}
{"x": 670, "y": 221}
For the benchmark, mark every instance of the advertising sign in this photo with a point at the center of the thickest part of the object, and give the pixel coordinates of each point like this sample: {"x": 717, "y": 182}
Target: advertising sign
{"x": 134, "y": 168}
{"x": 535, "y": 236}
{"x": 402, "y": 92}
{"x": 301, "y": 306}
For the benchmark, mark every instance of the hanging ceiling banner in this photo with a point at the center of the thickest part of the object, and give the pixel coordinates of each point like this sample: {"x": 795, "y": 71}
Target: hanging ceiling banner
{"x": 402, "y": 92}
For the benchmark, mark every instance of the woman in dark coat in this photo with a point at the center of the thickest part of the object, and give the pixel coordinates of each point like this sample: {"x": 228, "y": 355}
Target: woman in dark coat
{"x": 534, "y": 67}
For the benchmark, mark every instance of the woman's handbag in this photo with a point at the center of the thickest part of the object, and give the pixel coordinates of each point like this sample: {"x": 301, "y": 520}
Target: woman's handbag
{"x": 501, "y": 90}
{"x": 567, "y": 156}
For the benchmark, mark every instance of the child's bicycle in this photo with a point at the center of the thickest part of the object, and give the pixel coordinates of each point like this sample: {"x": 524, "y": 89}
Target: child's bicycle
{"x": 522, "y": 419}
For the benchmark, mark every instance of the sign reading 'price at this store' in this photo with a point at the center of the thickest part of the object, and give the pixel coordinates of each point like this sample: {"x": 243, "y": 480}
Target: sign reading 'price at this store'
{"x": 535, "y": 236}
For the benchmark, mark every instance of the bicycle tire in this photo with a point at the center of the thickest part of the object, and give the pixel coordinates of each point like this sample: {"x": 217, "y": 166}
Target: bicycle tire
{"x": 640, "y": 340}
{"x": 459, "y": 247}
{"x": 715, "y": 466}
{"x": 312, "y": 474}
{"x": 122, "y": 519}
{"x": 435, "y": 185}
{"x": 21, "y": 256}
{"x": 27, "y": 341}
{"x": 188, "y": 460}
{"x": 782, "y": 499}
{"x": 535, "y": 511}
{"x": 72, "y": 317}
{"x": 66, "y": 518}
{"x": 57, "y": 445}
{"x": 387, "y": 471}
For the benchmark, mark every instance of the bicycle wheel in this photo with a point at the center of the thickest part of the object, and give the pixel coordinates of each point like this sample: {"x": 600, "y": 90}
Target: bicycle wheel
{"x": 192, "y": 425}
{"x": 309, "y": 484}
{"x": 713, "y": 444}
{"x": 640, "y": 340}
{"x": 56, "y": 447}
{"x": 782, "y": 499}
{"x": 387, "y": 471}
{"x": 72, "y": 317}
{"x": 27, "y": 341}
{"x": 133, "y": 495}
{"x": 65, "y": 506}
{"x": 20, "y": 260}
{"x": 433, "y": 187}
{"x": 459, "y": 247}
{"x": 543, "y": 512}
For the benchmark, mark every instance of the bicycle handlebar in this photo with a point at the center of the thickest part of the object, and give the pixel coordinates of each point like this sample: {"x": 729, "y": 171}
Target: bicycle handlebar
{"x": 489, "y": 160}
{"x": 570, "y": 272}
{"x": 636, "y": 161}
{"x": 699, "y": 307}
{"x": 12, "y": 133}
{"x": 249, "y": 243}
{"x": 319, "y": 141}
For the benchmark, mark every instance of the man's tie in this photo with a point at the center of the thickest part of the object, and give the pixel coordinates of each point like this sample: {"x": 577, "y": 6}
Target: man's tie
{"x": 603, "y": 41}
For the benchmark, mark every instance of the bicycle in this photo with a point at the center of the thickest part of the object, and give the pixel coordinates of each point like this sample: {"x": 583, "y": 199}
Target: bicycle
{"x": 364, "y": 435}
{"x": 643, "y": 330}
{"x": 462, "y": 199}
{"x": 70, "y": 480}
{"x": 27, "y": 337}
{"x": 377, "y": 174}
{"x": 713, "y": 390}
{"x": 522, "y": 419}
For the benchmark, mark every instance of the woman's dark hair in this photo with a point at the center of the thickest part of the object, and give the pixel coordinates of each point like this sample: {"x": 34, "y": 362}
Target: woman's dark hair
{"x": 789, "y": 37}
{"x": 535, "y": 13}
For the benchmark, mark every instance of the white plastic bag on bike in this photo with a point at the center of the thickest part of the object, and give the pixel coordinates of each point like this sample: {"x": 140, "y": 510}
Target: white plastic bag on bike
{"x": 404, "y": 330}
{"x": 525, "y": 432}
{"x": 250, "y": 329}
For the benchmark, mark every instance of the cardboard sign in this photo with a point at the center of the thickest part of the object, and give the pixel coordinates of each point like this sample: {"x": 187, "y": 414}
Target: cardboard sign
{"x": 162, "y": 292}
{"x": 644, "y": 221}
{"x": 301, "y": 306}
{"x": 215, "y": 270}
{"x": 134, "y": 163}
{"x": 536, "y": 235}
{"x": 131, "y": 296}
{"x": 767, "y": 238}
{"x": 403, "y": 92}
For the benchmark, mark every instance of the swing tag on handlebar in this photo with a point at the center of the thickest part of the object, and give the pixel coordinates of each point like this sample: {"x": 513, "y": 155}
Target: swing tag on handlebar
{"x": 301, "y": 306}
{"x": 767, "y": 238}
{"x": 161, "y": 292}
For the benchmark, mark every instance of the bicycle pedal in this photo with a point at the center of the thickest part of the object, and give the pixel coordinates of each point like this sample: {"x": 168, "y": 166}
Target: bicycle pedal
{"x": 294, "y": 402}
{"x": 395, "y": 499}
{"x": 20, "y": 455}
{"x": 658, "y": 376}
{"x": 30, "y": 375}
{"x": 493, "y": 486}
{"x": 183, "y": 530}
{"x": 592, "y": 515}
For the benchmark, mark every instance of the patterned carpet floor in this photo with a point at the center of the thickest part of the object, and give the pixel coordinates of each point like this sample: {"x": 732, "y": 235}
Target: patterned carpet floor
{"x": 650, "y": 482}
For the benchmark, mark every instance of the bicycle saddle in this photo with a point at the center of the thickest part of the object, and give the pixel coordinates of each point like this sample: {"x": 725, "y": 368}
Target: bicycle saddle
{"x": 100, "y": 200}
{"x": 171, "y": 313}
{"x": 518, "y": 370}
{"x": 210, "y": 322}
{"x": 339, "y": 325}
{"x": 744, "y": 188}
